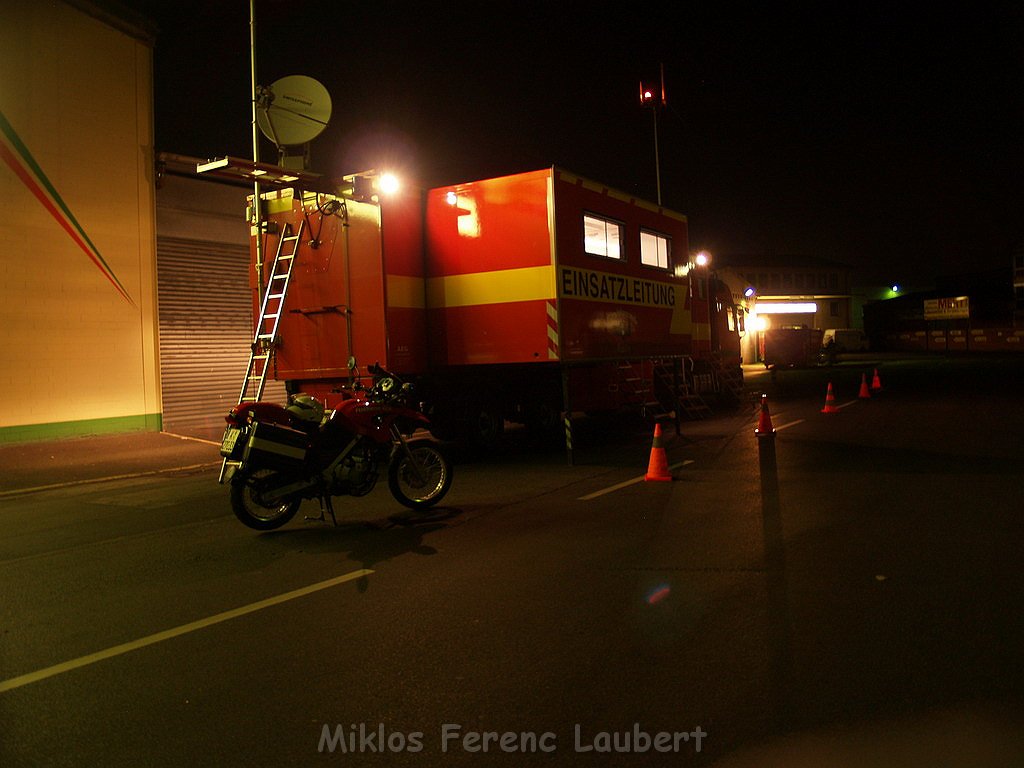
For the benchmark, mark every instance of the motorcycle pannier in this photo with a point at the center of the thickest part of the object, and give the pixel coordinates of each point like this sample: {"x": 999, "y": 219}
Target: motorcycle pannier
{"x": 273, "y": 445}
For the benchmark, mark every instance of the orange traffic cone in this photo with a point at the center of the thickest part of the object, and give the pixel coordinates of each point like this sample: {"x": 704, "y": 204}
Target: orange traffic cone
{"x": 657, "y": 468}
{"x": 830, "y": 401}
{"x": 865, "y": 393}
{"x": 764, "y": 422}
{"x": 876, "y": 383}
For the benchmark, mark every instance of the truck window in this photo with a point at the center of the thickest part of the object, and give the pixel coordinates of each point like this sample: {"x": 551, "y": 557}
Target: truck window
{"x": 654, "y": 249}
{"x": 602, "y": 237}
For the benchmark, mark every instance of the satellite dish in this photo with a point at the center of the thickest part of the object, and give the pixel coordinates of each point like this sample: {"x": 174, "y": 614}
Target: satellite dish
{"x": 293, "y": 110}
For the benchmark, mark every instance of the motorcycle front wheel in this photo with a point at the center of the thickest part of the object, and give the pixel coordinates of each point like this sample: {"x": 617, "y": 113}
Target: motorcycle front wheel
{"x": 251, "y": 508}
{"x": 425, "y": 487}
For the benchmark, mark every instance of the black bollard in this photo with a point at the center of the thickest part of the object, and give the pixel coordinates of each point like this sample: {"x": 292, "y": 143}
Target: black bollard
{"x": 779, "y": 630}
{"x": 769, "y": 469}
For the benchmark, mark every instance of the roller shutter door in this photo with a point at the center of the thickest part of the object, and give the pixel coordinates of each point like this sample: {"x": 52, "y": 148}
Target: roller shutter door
{"x": 205, "y": 332}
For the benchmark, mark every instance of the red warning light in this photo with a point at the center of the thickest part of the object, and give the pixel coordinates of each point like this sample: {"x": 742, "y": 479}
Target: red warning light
{"x": 652, "y": 95}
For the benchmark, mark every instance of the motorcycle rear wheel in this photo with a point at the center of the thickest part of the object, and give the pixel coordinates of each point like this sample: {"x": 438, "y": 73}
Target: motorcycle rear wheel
{"x": 405, "y": 483}
{"x": 249, "y": 506}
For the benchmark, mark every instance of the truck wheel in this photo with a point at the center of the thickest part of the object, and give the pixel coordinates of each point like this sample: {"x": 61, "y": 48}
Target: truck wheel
{"x": 544, "y": 420}
{"x": 486, "y": 426}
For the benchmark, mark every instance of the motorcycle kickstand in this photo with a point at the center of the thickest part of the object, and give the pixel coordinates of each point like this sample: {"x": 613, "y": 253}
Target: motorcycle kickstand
{"x": 325, "y": 504}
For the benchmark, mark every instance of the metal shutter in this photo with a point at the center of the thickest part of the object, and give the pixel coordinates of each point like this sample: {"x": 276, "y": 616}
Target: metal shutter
{"x": 205, "y": 331}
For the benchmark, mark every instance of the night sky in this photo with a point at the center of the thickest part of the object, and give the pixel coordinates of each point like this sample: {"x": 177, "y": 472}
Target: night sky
{"x": 875, "y": 136}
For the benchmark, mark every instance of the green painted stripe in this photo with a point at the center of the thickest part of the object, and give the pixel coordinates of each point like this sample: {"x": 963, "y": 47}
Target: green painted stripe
{"x": 143, "y": 422}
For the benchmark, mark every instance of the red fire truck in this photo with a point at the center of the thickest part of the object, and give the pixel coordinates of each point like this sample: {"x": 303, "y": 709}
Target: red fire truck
{"x": 516, "y": 299}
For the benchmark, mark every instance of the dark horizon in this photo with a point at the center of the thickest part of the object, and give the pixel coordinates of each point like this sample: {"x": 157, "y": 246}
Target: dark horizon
{"x": 884, "y": 140}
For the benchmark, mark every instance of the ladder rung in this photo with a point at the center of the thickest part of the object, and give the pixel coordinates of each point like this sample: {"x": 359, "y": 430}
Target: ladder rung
{"x": 279, "y": 277}
{"x": 275, "y": 295}
{"x": 286, "y": 256}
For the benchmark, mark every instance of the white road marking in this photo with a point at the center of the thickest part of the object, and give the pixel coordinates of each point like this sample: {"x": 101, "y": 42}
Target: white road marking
{"x": 109, "y": 478}
{"x": 627, "y": 483}
{"x": 789, "y": 424}
{"x": 192, "y": 439}
{"x": 159, "y": 637}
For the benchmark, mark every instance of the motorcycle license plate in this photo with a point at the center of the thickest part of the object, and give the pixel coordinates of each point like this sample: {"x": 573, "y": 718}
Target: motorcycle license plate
{"x": 227, "y": 445}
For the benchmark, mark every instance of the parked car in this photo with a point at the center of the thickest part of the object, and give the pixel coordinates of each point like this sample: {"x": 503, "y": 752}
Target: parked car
{"x": 845, "y": 340}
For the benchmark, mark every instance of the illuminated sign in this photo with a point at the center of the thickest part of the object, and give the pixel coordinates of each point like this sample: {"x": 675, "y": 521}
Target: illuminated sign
{"x": 793, "y": 308}
{"x": 947, "y": 309}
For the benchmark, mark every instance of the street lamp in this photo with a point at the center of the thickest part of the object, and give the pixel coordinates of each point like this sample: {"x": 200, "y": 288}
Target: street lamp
{"x": 701, "y": 261}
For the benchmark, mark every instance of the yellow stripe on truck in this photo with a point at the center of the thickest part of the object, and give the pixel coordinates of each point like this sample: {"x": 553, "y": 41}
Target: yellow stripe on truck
{"x": 499, "y": 287}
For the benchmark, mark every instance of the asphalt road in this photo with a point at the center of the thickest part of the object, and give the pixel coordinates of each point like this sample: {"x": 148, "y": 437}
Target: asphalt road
{"x": 867, "y": 615}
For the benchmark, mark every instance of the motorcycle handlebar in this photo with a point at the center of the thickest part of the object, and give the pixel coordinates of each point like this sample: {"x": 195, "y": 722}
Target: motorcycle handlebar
{"x": 377, "y": 391}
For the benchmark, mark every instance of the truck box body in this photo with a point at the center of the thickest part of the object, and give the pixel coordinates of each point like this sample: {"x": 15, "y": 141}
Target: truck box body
{"x": 507, "y": 298}
{"x": 358, "y": 292}
{"x": 490, "y": 273}
{"x": 510, "y": 280}
{"x": 790, "y": 347}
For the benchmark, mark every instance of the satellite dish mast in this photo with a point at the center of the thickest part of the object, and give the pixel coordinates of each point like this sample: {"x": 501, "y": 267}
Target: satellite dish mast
{"x": 257, "y": 216}
{"x": 291, "y": 113}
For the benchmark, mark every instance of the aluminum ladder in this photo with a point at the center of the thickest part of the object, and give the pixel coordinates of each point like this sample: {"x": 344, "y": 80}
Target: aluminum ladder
{"x": 265, "y": 339}
{"x": 269, "y": 320}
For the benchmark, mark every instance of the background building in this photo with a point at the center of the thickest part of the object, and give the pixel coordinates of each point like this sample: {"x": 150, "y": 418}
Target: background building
{"x": 791, "y": 291}
{"x": 909, "y": 322}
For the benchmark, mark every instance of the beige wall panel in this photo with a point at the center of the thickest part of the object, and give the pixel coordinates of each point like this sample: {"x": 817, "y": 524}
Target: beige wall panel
{"x": 78, "y": 94}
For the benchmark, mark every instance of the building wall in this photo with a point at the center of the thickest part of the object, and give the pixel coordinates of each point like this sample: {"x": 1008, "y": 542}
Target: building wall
{"x": 823, "y": 284}
{"x": 78, "y": 274}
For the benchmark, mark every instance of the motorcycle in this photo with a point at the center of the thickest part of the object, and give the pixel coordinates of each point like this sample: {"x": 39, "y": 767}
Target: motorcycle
{"x": 277, "y": 456}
